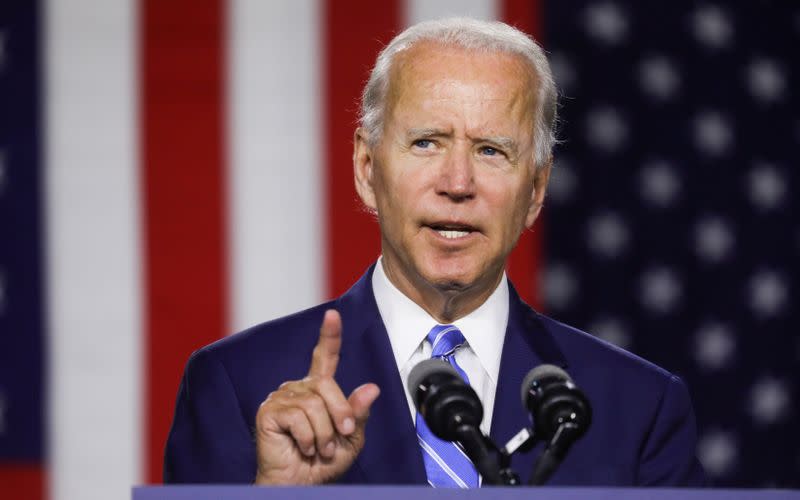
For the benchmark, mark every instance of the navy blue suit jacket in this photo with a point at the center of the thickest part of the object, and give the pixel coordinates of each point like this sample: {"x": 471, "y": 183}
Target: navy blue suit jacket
{"x": 643, "y": 430}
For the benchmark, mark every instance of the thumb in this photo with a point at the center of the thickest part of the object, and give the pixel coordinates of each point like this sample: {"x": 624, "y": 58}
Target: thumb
{"x": 361, "y": 400}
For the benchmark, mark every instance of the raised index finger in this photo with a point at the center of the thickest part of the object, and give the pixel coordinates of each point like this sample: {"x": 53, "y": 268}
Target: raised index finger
{"x": 326, "y": 353}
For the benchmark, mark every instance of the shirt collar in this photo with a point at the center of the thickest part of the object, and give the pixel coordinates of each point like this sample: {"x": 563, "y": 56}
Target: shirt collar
{"x": 407, "y": 323}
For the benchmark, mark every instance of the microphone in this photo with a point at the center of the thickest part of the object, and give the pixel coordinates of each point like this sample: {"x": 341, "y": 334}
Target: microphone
{"x": 561, "y": 415}
{"x": 453, "y": 412}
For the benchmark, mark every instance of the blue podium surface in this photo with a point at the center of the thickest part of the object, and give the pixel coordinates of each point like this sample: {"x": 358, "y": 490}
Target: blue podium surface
{"x": 220, "y": 492}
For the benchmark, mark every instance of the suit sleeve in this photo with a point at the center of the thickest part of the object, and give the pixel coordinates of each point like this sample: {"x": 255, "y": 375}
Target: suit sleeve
{"x": 668, "y": 457}
{"x": 209, "y": 441}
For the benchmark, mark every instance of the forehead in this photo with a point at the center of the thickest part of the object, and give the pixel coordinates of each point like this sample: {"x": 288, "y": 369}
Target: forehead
{"x": 430, "y": 73}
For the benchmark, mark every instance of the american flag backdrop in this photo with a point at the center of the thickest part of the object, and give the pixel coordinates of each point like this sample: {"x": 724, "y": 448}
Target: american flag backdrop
{"x": 175, "y": 171}
{"x": 672, "y": 228}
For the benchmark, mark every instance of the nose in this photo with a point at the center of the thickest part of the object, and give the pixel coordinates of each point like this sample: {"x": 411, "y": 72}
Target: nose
{"x": 457, "y": 175}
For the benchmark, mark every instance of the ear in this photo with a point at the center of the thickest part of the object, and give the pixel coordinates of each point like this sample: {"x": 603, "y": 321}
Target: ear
{"x": 541, "y": 176}
{"x": 363, "y": 165}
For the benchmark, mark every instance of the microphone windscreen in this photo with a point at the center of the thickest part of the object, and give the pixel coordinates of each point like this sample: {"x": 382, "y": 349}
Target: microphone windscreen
{"x": 425, "y": 369}
{"x": 541, "y": 372}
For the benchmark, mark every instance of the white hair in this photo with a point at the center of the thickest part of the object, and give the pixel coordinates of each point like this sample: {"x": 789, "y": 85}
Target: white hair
{"x": 470, "y": 34}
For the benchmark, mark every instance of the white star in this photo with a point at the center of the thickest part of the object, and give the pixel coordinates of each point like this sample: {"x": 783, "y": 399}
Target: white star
{"x": 712, "y": 133}
{"x": 563, "y": 71}
{"x": 718, "y": 452}
{"x": 766, "y": 80}
{"x": 713, "y": 239}
{"x": 560, "y": 285}
{"x": 563, "y": 182}
{"x": 767, "y": 187}
{"x": 658, "y": 77}
{"x": 712, "y": 26}
{"x": 715, "y": 346}
{"x": 659, "y": 183}
{"x": 606, "y": 22}
{"x": 611, "y": 330}
{"x": 769, "y": 400}
{"x": 605, "y": 129}
{"x": 607, "y": 234}
{"x": 660, "y": 290}
{"x": 767, "y": 293}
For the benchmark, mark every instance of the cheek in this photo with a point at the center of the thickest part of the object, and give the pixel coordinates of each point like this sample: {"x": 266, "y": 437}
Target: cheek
{"x": 394, "y": 205}
{"x": 510, "y": 207}
{"x": 405, "y": 190}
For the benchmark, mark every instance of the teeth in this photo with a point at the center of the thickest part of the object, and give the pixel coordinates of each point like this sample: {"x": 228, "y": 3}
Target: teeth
{"x": 452, "y": 234}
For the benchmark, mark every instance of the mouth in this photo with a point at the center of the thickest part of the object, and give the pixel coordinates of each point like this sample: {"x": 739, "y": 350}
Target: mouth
{"x": 452, "y": 230}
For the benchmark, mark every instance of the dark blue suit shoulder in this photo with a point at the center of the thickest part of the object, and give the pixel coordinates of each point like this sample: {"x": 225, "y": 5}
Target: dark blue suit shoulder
{"x": 285, "y": 334}
{"x": 585, "y": 352}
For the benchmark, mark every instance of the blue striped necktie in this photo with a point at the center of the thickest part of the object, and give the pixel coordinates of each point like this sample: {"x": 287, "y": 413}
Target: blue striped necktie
{"x": 446, "y": 463}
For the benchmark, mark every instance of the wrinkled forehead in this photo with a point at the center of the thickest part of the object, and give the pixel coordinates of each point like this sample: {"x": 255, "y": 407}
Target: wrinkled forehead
{"x": 428, "y": 67}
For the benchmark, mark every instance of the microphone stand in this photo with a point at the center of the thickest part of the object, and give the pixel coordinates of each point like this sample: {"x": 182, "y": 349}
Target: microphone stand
{"x": 492, "y": 463}
{"x": 554, "y": 453}
{"x": 475, "y": 445}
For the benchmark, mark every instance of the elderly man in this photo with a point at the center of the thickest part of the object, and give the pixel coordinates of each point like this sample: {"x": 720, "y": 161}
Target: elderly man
{"x": 453, "y": 156}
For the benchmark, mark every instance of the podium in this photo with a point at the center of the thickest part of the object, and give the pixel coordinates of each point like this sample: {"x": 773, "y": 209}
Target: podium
{"x": 220, "y": 492}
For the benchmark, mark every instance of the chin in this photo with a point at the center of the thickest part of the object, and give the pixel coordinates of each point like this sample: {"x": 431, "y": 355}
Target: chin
{"x": 452, "y": 285}
{"x": 445, "y": 279}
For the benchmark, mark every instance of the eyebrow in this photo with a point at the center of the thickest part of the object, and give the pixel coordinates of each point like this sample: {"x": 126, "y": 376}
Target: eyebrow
{"x": 504, "y": 142}
{"x": 426, "y": 132}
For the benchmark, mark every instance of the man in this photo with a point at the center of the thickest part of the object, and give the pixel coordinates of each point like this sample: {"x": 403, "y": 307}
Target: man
{"x": 453, "y": 156}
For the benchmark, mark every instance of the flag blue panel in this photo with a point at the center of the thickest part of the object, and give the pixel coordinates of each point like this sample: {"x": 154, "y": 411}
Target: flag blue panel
{"x": 21, "y": 297}
{"x": 672, "y": 224}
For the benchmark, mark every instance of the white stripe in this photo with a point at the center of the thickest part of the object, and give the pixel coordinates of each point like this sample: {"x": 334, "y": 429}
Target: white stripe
{"x": 93, "y": 266}
{"x": 447, "y": 470}
{"x": 276, "y": 179}
{"x": 437, "y": 339}
{"x": 436, "y": 458}
{"x": 440, "y": 335}
{"x": 420, "y": 10}
{"x": 461, "y": 450}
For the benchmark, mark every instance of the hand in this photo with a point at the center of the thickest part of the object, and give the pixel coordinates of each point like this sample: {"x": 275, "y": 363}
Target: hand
{"x": 307, "y": 432}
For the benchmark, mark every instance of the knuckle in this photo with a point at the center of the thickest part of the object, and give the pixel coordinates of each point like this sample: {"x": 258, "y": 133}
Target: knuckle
{"x": 312, "y": 403}
{"x": 321, "y": 354}
{"x": 326, "y": 384}
{"x": 287, "y": 385}
{"x": 294, "y": 416}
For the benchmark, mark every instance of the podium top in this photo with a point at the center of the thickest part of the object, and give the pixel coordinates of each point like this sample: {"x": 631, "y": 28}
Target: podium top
{"x": 216, "y": 492}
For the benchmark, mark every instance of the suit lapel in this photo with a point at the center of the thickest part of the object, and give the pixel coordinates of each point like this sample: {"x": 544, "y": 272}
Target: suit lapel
{"x": 391, "y": 454}
{"x": 527, "y": 344}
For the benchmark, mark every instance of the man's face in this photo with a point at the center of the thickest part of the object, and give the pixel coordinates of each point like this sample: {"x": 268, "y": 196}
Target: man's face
{"x": 452, "y": 179}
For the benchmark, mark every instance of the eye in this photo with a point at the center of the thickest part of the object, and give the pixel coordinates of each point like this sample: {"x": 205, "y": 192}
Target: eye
{"x": 423, "y": 143}
{"x": 490, "y": 151}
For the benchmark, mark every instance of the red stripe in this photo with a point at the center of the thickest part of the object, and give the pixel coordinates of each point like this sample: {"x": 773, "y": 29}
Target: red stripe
{"x": 355, "y": 31}
{"x": 182, "y": 120}
{"x": 526, "y": 259}
{"x": 22, "y": 482}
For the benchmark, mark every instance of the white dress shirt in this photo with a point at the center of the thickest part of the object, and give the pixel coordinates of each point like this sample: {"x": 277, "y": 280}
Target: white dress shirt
{"x": 484, "y": 329}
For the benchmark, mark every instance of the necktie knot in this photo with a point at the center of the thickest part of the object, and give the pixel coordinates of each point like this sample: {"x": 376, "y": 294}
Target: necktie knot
{"x": 445, "y": 339}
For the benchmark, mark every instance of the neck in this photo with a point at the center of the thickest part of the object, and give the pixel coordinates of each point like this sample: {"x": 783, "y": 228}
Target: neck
{"x": 445, "y": 302}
